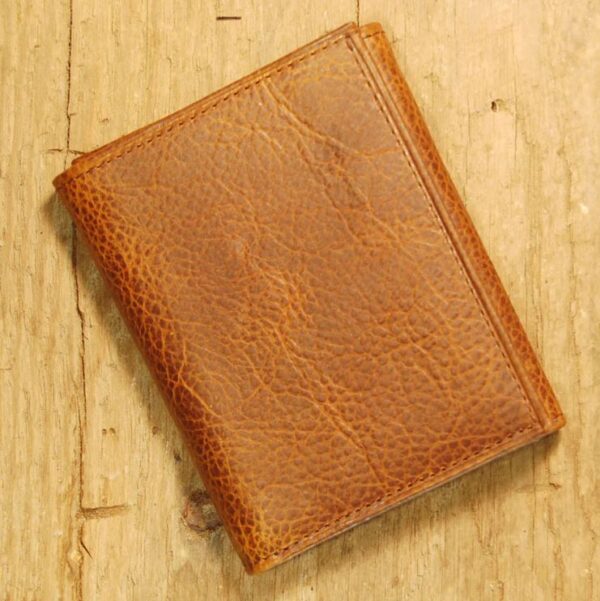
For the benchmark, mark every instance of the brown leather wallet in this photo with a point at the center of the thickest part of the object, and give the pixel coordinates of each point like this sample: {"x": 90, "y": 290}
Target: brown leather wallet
{"x": 311, "y": 296}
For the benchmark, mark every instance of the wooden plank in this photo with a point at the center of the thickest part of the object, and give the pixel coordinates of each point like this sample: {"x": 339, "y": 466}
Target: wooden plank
{"x": 40, "y": 365}
{"x": 98, "y": 499}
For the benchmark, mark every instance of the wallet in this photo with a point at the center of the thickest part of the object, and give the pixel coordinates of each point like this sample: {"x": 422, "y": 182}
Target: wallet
{"x": 311, "y": 296}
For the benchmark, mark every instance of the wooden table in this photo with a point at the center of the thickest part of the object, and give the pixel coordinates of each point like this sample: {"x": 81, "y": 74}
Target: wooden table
{"x": 98, "y": 496}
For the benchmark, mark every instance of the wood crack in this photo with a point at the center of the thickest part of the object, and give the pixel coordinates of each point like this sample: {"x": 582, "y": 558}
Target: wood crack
{"x": 105, "y": 511}
{"x": 81, "y": 404}
{"x": 69, "y": 60}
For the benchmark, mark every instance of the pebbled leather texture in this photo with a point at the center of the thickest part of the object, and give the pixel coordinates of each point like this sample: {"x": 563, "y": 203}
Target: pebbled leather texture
{"x": 310, "y": 295}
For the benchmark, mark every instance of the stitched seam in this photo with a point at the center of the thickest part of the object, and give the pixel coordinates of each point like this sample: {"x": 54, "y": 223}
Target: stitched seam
{"x": 189, "y": 118}
{"x": 429, "y": 476}
{"x": 193, "y": 115}
{"x": 200, "y": 111}
{"x": 366, "y": 37}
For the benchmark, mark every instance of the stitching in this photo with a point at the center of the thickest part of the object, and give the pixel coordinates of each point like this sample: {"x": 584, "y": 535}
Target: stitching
{"x": 405, "y": 488}
{"x": 366, "y": 37}
{"x": 202, "y": 110}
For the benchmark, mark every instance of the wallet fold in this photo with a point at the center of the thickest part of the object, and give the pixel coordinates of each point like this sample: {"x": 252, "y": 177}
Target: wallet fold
{"x": 311, "y": 296}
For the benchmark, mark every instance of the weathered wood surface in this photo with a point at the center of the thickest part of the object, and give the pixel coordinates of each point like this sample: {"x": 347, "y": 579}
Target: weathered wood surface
{"x": 98, "y": 499}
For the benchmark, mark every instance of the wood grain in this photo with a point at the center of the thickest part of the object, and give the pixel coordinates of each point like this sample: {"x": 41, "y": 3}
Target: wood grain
{"x": 98, "y": 499}
{"x": 40, "y": 364}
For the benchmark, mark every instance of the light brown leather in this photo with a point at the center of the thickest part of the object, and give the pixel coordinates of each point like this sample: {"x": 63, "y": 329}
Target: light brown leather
{"x": 311, "y": 296}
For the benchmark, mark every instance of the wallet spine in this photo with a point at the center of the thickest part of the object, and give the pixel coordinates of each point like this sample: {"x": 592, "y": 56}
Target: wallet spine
{"x": 376, "y": 52}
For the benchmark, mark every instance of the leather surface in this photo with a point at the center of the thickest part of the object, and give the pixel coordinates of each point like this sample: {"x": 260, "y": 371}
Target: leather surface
{"x": 311, "y": 295}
